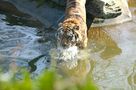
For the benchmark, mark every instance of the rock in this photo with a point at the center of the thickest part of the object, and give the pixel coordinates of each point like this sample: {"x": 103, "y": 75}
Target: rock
{"x": 47, "y": 14}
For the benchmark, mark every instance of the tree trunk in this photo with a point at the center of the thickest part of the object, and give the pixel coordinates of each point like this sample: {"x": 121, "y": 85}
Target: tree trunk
{"x": 73, "y": 30}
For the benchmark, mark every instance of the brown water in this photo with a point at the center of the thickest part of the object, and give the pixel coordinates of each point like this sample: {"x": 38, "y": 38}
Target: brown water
{"x": 114, "y": 53}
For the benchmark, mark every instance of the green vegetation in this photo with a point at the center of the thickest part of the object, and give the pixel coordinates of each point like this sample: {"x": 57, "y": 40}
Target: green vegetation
{"x": 49, "y": 80}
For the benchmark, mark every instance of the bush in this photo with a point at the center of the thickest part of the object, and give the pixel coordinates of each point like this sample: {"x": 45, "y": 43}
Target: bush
{"x": 49, "y": 80}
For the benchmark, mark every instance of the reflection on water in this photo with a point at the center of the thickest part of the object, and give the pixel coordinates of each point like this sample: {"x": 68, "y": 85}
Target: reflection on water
{"x": 110, "y": 56}
{"x": 100, "y": 41}
{"x": 132, "y": 78}
{"x": 114, "y": 52}
{"x": 77, "y": 73}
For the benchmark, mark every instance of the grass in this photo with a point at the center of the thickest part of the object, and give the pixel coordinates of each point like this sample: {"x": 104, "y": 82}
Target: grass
{"x": 49, "y": 80}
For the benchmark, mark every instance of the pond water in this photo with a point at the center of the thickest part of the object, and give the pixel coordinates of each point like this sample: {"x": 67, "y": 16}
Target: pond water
{"x": 110, "y": 56}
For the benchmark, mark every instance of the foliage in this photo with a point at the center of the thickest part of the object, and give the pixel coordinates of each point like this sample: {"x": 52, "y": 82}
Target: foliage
{"x": 49, "y": 80}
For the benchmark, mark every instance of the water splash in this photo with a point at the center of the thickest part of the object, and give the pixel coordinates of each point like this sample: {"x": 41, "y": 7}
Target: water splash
{"x": 69, "y": 56}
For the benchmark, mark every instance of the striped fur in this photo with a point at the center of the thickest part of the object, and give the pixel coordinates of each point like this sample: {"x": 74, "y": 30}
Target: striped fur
{"x": 73, "y": 30}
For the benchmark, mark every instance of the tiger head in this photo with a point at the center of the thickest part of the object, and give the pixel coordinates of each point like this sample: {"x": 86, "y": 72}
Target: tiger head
{"x": 72, "y": 33}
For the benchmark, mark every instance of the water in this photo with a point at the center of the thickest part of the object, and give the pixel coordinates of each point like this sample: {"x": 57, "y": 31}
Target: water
{"x": 68, "y": 55}
{"x": 20, "y": 43}
{"x": 113, "y": 49}
{"x": 110, "y": 56}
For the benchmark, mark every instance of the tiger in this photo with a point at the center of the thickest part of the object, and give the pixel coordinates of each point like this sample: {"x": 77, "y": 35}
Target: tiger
{"x": 73, "y": 30}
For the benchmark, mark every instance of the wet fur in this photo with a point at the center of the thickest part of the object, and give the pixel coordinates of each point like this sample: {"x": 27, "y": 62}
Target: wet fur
{"x": 73, "y": 30}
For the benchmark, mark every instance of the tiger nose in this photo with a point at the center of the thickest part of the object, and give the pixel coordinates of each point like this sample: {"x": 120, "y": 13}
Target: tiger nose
{"x": 68, "y": 41}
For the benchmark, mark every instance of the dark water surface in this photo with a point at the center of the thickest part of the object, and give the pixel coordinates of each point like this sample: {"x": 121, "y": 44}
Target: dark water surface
{"x": 21, "y": 41}
{"x": 110, "y": 56}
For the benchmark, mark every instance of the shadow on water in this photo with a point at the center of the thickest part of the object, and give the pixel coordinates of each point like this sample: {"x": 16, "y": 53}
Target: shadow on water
{"x": 100, "y": 41}
{"x": 109, "y": 57}
{"x": 23, "y": 42}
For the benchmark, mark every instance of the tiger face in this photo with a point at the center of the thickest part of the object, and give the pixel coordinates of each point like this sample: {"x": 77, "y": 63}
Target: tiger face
{"x": 73, "y": 30}
{"x": 72, "y": 33}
